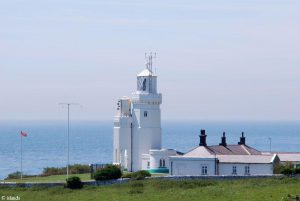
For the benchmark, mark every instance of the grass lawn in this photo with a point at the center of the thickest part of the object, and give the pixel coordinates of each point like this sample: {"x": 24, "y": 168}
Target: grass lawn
{"x": 54, "y": 178}
{"x": 165, "y": 190}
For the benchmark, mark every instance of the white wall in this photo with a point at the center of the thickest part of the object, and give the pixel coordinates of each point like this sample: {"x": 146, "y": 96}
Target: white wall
{"x": 255, "y": 169}
{"x": 122, "y": 142}
{"x": 191, "y": 167}
{"x": 145, "y": 160}
{"x": 146, "y": 130}
{"x": 157, "y": 155}
{"x": 144, "y": 139}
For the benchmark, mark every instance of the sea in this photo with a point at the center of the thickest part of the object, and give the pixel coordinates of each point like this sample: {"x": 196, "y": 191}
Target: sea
{"x": 91, "y": 141}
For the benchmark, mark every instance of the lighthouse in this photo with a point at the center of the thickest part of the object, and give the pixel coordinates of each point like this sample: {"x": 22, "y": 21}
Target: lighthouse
{"x": 137, "y": 131}
{"x": 137, "y": 125}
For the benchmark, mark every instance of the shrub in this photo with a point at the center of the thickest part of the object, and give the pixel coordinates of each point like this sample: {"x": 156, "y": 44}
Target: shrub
{"x": 73, "y": 169}
{"x": 17, "y": 175}
{"x": 286, "y": 170}
{"x": 140, "y": 175}
{"x": 14, "y": 175}
{"x": 297, "y": 170}
{"x": 107, "y": 173}
{"x": 127, "y": 175}
{"x": 79, "y": 169}
{"x": 74, "y": 183}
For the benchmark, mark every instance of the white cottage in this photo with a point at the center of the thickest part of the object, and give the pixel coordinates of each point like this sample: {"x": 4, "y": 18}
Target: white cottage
{"x": 223, "y": 159}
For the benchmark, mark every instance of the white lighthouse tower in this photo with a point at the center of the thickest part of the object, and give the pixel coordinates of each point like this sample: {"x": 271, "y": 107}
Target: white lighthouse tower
{"x": 137, "y": 125}
{"x": 146, "y": 116}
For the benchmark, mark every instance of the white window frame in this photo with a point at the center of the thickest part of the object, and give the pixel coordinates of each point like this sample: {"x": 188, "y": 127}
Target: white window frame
{"x": 204, "y": 170}
{"x": 247, "y": 170}
{"x": 234, "y": 170}
{"x": 162, "y": 163}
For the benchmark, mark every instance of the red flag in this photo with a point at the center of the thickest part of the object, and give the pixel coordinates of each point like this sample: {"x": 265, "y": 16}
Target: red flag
{"x": 23, "y": 134}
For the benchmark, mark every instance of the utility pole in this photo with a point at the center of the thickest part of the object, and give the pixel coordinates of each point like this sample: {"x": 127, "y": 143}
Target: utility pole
{"x": 21, "y": 157}
{"x": 270, "y": 140}
{"x": 68, "y": 147}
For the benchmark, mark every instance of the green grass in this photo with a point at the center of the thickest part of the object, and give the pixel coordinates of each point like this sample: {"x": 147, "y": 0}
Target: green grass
{"x": 60, "y": 178}
{"x": 54, "y": 178}
{"x": 166, "y": 190}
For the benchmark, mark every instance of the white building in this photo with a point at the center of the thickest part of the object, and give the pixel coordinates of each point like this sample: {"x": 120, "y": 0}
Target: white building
{"x": 137, "y": 141}
{"x": 292, "y": 158}
{"x": 137, "y": 127}
{"x": 223, "y": 159}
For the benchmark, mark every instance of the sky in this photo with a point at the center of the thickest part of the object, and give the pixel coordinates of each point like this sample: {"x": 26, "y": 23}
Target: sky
{"x": 216, "y": 60}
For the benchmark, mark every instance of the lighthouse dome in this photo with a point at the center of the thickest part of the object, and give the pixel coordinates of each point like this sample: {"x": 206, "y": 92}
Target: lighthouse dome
{"x": 146, "y": 73}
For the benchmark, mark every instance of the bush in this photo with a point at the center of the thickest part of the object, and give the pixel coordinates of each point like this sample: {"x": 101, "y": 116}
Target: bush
{"x": 107, "y": 173}
{"x": 297, "y": 170}
{"x": 140, "y": 175}
{"x": 14, "y": 175}
{"x": 73, "y": 169}
{"x": 74, "y": 183}
{"x": 127, "y": 175}
{"x": 79, "y": 169}
{"x": 17, "y": 175}
{"x": 287, "y": 171}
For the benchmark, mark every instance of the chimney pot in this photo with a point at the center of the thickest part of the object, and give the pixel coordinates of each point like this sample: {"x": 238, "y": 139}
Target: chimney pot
{"x": 223, "y": 140}
{"x": 202, "y": 138}
{"x": 242, "y": 140}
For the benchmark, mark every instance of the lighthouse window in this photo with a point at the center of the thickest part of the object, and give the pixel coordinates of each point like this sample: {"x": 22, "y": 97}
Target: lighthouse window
{"x": 144, "y": 85}
{"x": 145, "y": 114}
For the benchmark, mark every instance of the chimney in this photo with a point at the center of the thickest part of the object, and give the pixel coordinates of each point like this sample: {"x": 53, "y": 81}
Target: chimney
{"x": 242, "y": 140}
{"x": 202, "y": 138}
{"x": 223, "y": 143}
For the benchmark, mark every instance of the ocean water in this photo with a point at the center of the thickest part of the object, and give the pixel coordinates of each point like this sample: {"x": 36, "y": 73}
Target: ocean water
{"x": 91, "y": 142}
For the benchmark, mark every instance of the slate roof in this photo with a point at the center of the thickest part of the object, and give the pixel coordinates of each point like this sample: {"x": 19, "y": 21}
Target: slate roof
{"x": 247, "y": 159}
{"x": 209, "y": 151}
{"x": 289, "y": 157}
{"x": 233, "y": 150}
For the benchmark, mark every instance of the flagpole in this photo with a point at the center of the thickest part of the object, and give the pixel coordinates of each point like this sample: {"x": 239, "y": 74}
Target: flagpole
{"x": 21, "y": 156}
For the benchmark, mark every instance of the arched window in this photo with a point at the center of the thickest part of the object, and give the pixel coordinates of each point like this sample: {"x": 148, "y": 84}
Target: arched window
{"x": 162, "y": 163}
{"x": 144, "y": 85}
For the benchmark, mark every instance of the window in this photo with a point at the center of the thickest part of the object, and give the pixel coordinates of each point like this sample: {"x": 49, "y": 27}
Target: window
{"x": 148, "y": 164}
{"x": 145, "y": 114}
{"x": 247, "y": 170}
{"x": 144, "y": 85}
{"x": 204, "y": 170}
{"x": 234, "y": 170}
{"x": 162, "y": 163}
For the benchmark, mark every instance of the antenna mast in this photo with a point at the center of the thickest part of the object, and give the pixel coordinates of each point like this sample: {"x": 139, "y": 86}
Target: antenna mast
{"x": 149, "y": 66}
